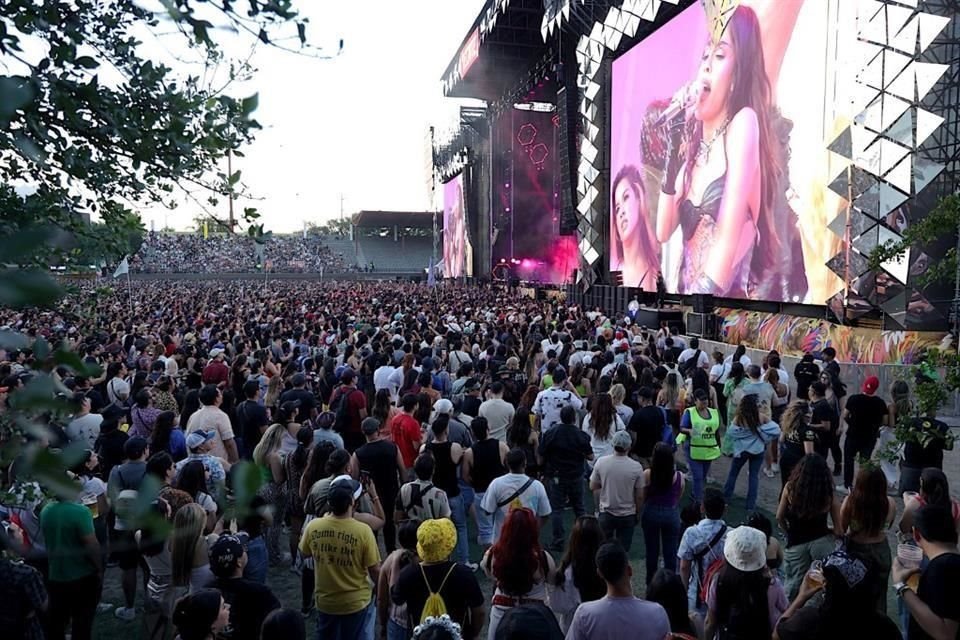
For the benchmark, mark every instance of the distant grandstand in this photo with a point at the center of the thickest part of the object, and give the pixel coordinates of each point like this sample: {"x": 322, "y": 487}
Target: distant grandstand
{"x": 379, "y": 242}
{"x": 399, "y": 242}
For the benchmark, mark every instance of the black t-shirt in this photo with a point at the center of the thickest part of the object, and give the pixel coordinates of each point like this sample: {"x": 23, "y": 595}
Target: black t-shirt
{"x": 938, "y": 590}
{"x": 793, "y": 442}
{"x": 918, "y": 456}
{"x": 810, "y": 623}
{"x": 379, "y": 459}
{"x": 250, "y": 602}
{"x": 806, "y": 374}
{"x": 109, "y": 448}
{"x": 866, "y": 415}
{"x": 471, "y": 406}
{"x": 460, "y": 593}
{"x": 308, "y": 402}
{"x": 564, "y": 449}
{"x": 822, "y": 412}
{"x": 250, "y": 418}
{"x": 647, "y": 423}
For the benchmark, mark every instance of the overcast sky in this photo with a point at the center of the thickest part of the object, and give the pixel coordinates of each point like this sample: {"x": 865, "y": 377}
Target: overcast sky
{"x": 355, "y": 125}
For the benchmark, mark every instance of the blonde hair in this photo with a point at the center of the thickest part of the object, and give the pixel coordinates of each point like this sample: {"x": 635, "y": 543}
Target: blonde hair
{"x": 188, "y": 527}
{"x": 793, "y": 416}
{"x": 273, "y": 391}
{"x": 269, "y": 443}
{"x": 618, "y": 393}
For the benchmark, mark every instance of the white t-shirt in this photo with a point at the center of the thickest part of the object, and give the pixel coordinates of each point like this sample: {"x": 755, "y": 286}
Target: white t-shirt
{"x": 499, "y": 414}
{"x": 550, "y": 401}
{"x": 702, "y": 361}
{"x": 728, "y": 362}
{"x": 716, "y": 372}
{"x": 117, "y": 390}
{"x": 534, "y": 498}
{"x": 602, "y": 447}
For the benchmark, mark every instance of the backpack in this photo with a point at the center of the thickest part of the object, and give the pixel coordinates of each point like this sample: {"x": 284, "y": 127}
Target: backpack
{"x": 690, "y": 364}
{"x": 416, "y": 498}
{"x": 702, "y": 583}
{"x": 340, "y": 406}
{"x": 434, "y": 607}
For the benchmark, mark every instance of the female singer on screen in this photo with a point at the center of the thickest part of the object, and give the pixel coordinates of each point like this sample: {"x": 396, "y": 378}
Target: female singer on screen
{"x": 636, "y": 253}
{"x": 722, "y": 191}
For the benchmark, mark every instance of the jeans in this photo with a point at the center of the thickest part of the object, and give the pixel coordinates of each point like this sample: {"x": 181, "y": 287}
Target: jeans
{"x": 700, "y": 469}
{"x": 257, "y": 563}
{"x": 661, "y": 530}
{"x": 619, "y": 527}
{"x": 396, "y": 632}
{"x": 353, "y": 626}
{"x": 798, "y": 558}
{"x": 73, "y": 602}
{"x": 753, "y": 477}
{"x": 484, "y": 523}
{"x": 853, "y": 447}
{"x": 458, "y": 514}
{"x": 564, "y": 491}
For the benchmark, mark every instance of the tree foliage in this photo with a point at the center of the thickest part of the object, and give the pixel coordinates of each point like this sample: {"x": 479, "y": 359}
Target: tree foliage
{"x": 943, "y": 221}
{"x": 92, "y": 128}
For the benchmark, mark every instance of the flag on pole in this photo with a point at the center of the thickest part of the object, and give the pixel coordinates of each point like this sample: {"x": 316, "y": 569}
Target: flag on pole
{"x": 431, "y": 279}
{"x": 206, "y": 230}
{"x": 122, "y": 268}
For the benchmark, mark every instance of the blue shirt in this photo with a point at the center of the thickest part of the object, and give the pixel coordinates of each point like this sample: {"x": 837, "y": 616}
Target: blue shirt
{"x": 746, "y": 441}
{"x": 696, "y": 539}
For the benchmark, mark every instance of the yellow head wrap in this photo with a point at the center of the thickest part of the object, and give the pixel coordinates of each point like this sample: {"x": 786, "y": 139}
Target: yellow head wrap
{"x": 436, "y": 540}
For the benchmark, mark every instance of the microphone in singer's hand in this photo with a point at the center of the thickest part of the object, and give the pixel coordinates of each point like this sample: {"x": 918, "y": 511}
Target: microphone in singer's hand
{"x": 680, "y": 103}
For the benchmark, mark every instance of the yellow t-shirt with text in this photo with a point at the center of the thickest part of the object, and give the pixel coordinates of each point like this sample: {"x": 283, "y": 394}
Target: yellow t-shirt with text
{"x": 342, "y": 550}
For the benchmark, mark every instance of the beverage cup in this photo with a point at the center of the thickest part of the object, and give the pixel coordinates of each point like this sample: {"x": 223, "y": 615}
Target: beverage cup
{"x": 814, "y": 575}
{"x": 909, "y": 555}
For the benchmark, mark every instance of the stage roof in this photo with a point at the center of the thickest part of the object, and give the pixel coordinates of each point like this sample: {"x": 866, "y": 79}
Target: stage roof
{"x": 504, "y": 42}
{"x": 419, "y": 219}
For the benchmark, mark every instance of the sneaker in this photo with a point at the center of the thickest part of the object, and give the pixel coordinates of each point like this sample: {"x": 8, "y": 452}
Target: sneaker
{"x": 286, "y": 558}
{"x": 473, "y": 566}
{"x": 842, "y": 490}
{"x": 127, "y": 614}
{"x": 775, "y": 468}
{"x": 103, "y": 607}
{"x": 768, "y": 472}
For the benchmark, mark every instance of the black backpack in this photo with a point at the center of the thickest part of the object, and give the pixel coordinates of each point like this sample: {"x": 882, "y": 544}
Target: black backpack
{"x": 690, "y": 364}
{"x": 340, "y": 406}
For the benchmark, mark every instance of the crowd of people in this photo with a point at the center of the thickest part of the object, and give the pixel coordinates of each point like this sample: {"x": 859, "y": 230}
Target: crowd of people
{"x": 400, "y": 448}
{"x": 235, "y": 253}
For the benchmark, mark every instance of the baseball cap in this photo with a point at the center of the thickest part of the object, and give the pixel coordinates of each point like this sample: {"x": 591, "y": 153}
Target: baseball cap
{"x": 871, "y": 384}
{"x": 622, "y": 441}
{"x": 197, "y": 438}
{"x": 369, "y": 426}
{"x": 216, "y": 352}
{"x": 746, "y": 549}
{"x": 346, "y": 484}
{"x": 443, "y": 406}
{"x": 347, "y": 375}
{"x": 225, "y": 554}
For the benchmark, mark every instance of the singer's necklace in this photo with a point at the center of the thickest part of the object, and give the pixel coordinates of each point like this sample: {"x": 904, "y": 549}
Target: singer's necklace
{"x": 705, "y": 145}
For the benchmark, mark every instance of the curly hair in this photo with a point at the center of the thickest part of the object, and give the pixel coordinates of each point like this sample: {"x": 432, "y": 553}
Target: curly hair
{"x": 810, "y": 487}
{"x": 517, "y": 555}
{"x": 794, "y": 416}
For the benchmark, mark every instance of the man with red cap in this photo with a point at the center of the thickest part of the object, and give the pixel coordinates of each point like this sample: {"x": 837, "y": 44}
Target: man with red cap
{"x": 864, "y": 414}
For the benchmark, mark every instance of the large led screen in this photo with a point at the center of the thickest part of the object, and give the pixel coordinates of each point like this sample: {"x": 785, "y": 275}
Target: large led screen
{"x": 457, "y": 253}
{"x": 719, "y": 160}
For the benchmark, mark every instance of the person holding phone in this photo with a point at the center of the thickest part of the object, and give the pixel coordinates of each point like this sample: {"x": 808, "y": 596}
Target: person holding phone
{"x": 378, "y": 462}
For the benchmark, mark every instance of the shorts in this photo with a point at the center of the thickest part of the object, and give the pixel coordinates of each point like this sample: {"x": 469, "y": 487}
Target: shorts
{"x": 125, "y": 550}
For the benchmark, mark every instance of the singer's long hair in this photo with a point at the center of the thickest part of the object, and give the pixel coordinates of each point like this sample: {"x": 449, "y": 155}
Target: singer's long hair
{"x": 751, "y": 88}
{"x": 649, "y": 251}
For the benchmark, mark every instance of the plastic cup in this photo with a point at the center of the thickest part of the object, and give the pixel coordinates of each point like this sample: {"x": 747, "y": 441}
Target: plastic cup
{"x": 814, "y": 577}
{"x": 909, "y": 555}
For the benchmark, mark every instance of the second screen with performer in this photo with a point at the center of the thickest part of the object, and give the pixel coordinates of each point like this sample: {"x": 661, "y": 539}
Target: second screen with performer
{"x": 719, "y": 165}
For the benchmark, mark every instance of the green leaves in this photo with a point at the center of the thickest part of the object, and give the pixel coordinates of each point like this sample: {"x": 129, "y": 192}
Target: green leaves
{"x": 86, "y": 62}
{"x": 27, "y": 288}
{"x": 249, "y": 105}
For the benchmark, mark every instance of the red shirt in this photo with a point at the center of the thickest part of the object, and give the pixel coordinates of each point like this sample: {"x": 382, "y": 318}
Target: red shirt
{"x": 356, "y": 402}
{"x": 406, "y": 433}
{"x": 215, "y": 373}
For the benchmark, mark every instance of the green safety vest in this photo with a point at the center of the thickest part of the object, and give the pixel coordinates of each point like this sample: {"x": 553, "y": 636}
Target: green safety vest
{"x": 703, "y": 441}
